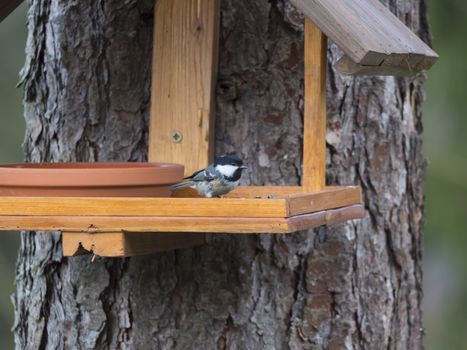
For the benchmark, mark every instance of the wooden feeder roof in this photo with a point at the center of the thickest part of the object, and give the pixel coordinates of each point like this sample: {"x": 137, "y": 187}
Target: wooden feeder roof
{"x": 374, "y": 40}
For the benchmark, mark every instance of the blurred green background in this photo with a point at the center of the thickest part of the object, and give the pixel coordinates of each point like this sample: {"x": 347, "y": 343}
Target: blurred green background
{"x": 445, "y": 144}
{"x": 445, "y": 121}
{"x": 12, "y": 43}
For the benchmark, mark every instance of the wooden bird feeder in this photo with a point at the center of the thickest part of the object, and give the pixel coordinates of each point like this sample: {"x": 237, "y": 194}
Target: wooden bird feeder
{"x": 374, "y": 42}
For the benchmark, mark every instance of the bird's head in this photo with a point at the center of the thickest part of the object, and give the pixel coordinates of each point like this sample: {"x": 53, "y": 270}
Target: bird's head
{"x": 229, "y": 165}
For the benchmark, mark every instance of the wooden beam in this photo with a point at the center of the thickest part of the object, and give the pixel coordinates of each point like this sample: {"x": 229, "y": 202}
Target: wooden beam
{"x": 314, "y": 115}
{"x": 328, "y": 217}
{"x": 120, "y": 244}
{"x": 327, "y": 199}
{"x": 404, "y": 68}
{"x": 168, "y": 226}
{"x": 264, "y": 192}
{"x": 370, "y": 35}
{"x": 181, "y": 207}
{"x": 184, "y": 71}
{"x": 335, "y": 216}
{"x": 88, "y": 206}
{"x": 7, "y": 7}
{"x": 183, "y": 80}
{"x": 163, "y": 225}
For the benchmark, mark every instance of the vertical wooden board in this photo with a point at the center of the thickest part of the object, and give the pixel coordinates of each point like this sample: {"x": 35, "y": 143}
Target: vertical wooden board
{"x": 183, "y": 78}
{"x": 314, "y": 118}
{"x": 184, "y": 67}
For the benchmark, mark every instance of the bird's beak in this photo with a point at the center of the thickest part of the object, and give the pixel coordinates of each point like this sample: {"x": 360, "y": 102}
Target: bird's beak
{"x": 243, "y": 167}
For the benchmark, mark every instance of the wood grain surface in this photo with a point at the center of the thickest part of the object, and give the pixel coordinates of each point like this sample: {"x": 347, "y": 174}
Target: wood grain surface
{"x": 370, "y": 35}
{"x": 294, "y": 204}
{"x": 184, "y": 69}
{"x": 314, "y": 114}
{"x": 95, "y": 225}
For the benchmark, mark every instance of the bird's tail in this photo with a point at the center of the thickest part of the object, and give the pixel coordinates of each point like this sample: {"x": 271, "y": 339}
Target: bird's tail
{"x": 181, "y": 185}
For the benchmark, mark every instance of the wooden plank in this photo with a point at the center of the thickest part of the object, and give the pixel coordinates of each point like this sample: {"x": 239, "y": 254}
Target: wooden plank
{"x": 184, "y": 67}
{"x": 291, "y": 205}
{"x": 95, "y": 225}
{"x": 184, "y": 207}
{"x": 326, "y": 199}
{"x": 265, "y": 191}
{"x": 402, "y": 68}
{"x": 327, "y": 217}
{"x": 7, "y": 7}
{"x": 369, "y": 34}
{"x": 183, "y": 78}
{"x": 335, "y": 216}
{"x": 169, "y": 225}
{"x": 271, "y": 192}
{"x": 104, "y": 244}
{"x": 118, "y": 244}
{"x": 248, "y": 192}
{"x": 211, "y": 207}
{"x": 314, "y": 118}
{"x": 307, "y": 221}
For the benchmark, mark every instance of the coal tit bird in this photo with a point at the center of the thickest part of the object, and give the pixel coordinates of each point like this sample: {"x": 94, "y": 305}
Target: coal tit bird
{"x": 217, "y": 179}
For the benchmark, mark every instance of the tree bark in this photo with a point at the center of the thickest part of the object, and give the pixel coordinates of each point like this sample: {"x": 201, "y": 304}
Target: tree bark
{"x": 356, "y": 285}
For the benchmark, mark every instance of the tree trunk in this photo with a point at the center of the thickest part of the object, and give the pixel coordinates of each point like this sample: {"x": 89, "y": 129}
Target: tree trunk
{"x": 350, "y": 286}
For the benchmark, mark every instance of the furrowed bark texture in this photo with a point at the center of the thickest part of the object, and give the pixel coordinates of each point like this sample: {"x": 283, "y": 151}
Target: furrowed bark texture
{"x": 351, "y": 286}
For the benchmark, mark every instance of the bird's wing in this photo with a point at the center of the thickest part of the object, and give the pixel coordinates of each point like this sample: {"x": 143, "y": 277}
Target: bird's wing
{"x": 193, "y": 175}
{"x": 207, "y": 174}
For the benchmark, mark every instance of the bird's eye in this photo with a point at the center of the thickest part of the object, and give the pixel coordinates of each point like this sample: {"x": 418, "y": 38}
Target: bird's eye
{"x": 233, "y": 164}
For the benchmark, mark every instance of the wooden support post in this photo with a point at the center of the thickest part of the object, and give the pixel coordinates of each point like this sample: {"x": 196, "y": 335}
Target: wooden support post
{"x": 184, "y": 72}
{"x": 183, "y": 80}
{"x": 314, "y": 119}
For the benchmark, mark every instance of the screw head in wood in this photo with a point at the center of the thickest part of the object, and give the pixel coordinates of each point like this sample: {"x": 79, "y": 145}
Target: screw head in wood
{"x": 176, "y": 136}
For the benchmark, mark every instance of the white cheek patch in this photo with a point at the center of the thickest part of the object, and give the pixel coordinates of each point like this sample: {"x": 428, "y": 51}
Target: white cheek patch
{"x": 227, "y": 170}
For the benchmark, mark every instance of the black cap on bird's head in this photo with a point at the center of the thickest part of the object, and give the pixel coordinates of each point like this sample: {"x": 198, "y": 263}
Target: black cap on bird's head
{"x": 230, "y": 159}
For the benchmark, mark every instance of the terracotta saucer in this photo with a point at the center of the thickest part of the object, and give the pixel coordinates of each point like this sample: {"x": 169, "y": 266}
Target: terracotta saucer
{"x": 89, "y": 179}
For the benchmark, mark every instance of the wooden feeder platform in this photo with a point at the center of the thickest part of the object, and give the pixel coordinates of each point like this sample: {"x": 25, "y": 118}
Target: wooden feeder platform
{"x": 88, "y": 223}
{"x": 280, "y": 213}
